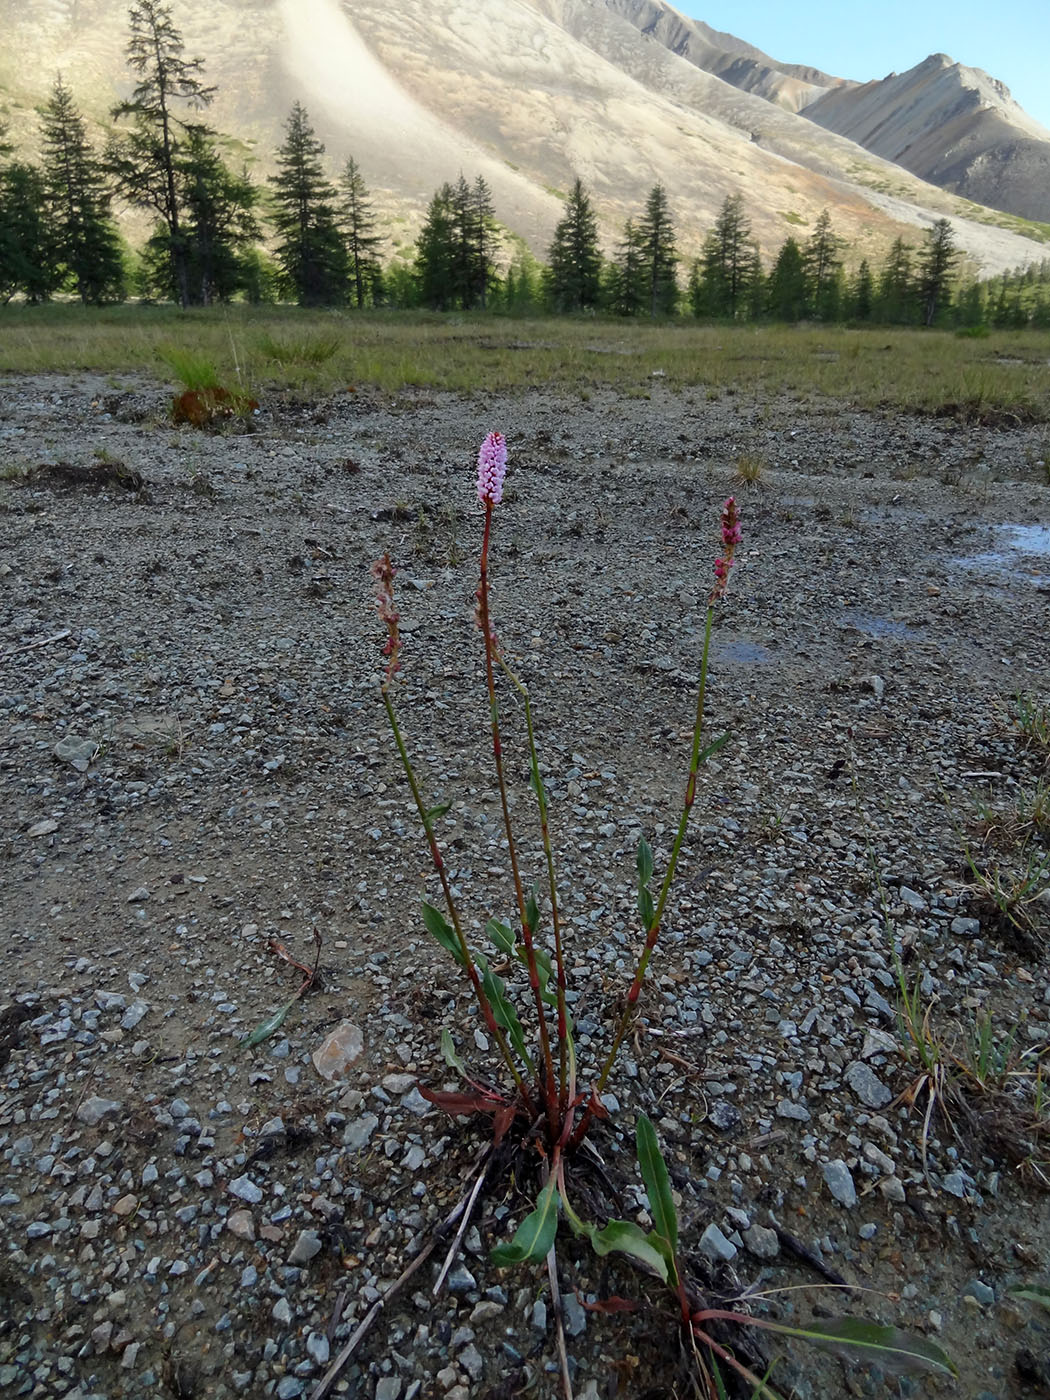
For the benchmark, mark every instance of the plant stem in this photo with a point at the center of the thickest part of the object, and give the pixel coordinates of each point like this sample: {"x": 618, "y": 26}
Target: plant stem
{"x": 552, "y": 884}
{"x": 549, "y": 1090}
{"x": 453, "y": 912}
{"x": 653, "y": 932}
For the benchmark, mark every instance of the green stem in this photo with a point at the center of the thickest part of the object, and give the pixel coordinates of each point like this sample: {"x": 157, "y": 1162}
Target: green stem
{"x": 453, "y": 913}
{"x": 550, "y": 1093}
{"x": 653, "y": 932}
{"x": 552, "y": 885}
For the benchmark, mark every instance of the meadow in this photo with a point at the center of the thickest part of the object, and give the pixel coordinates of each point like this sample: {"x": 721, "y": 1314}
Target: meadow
{"x": 976, "y": 378}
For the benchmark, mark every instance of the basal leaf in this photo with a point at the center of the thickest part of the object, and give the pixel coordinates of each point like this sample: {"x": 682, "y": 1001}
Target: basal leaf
{"x": 624, "y": 1237}
{"x": 644, "y": 863}
{"x": 535, "y": 1235}
{"x": 657, "y": 1182}
{"x": 895, "y": 1350}
{"x": 439, "y": 927}
{"x": 266, "y": 1028}
{"x": 1032, "y": 1293}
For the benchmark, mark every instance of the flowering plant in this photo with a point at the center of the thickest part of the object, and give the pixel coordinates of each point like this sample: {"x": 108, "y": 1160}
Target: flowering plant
{"x": 543, "y": 1102}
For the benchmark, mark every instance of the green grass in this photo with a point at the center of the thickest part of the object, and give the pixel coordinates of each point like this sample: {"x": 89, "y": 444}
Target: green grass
{"x": 923, "y": 371}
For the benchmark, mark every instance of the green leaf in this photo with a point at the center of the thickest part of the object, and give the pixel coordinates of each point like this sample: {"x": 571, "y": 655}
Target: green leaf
{"x": 713, "y": 748}
{"x": 855, "y": 1337}
{"x": 532, "y": 911}
{"x": 451, "y": 1055}
{"x": 440, "y": 928}
{"x": 1031, "y": 1293}
{"x": 646, "y": 908}
{"x": 657, "y": 1182}
{"x": 644, "y": 863}
{"x": 503, "y": 1010}
{"x": 266, "y": 1028}
{"x": 501, "y": 935}
{"x": 535, "y": 1235}
{"x": 438, "y": 810}
{"x": 625, "y": 1237}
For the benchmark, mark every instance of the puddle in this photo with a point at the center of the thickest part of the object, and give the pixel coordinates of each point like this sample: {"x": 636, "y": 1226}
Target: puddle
{"x": 745, "y": 653}
{"x": 881, "y": 627}
{"x": 1018, "y": 552}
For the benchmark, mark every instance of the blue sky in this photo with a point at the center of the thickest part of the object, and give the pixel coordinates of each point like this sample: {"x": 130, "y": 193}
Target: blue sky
{"x": 1009, "y": 39}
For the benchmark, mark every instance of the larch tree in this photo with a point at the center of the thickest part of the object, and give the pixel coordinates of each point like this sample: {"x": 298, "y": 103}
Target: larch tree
{"x": 656, "y": 238}
{"x": 358, "y": 224}
{"x": 144, "y": 163}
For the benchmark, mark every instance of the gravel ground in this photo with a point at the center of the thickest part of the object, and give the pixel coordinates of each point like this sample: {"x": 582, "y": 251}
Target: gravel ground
{"x": 195, "y": 774}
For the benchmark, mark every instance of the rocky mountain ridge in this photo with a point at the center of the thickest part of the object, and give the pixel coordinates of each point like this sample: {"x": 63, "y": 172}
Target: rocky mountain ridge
{"x": 527, "y": 93}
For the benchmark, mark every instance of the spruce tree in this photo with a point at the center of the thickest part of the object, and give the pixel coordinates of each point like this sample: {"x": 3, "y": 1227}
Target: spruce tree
{"x": 310, "y": 251}
{"x": 821, "y": 262}
{"x": 29, "y": 261}
{"x": 729, "y": 265}
{"x": 434, "y": 269}
{"x": 219, "y": 224}
{"x": 358, "y": 225}
{"x": 786, "y": 288}
{"x": 936, "y": 267}
{"x": 660, "y": 258}
{"x": 627, "y": 283}
{"x": 896, "y": 300}
{"x": 574, "y": 259}
{"x": 144, "y": 163}
{"x": 85, "y": 238}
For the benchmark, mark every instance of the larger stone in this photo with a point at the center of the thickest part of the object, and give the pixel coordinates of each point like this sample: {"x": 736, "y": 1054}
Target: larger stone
{"x": 339, "y": 1051}
{"x": 840, "y": 1183}
{"x": 93, "y": 1110}
{"x": 867, "y": 1086}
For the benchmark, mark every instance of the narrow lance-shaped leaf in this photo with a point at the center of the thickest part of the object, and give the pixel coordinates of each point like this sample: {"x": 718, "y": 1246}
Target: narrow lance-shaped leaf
{"x": 535, "y": 1235}
{"x": 532, "y": 911}
{"x": 855, "y": 1337}
{"x": 439, "y": 928}
{"x": 269, "y": 1027}
{"x": 657, "y": 1182}
{"x": 644, "y": 863}
{"x": 451, "y": 1055}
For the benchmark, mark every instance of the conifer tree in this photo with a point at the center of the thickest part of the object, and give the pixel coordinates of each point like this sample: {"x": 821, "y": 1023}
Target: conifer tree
{"x": 656, "y": 240}
{"x": 144, "y": 163}
{"x": 29, "y": 261}
{"x": 86, "y": 240}
{"x": 358, "y": 224}
{"x": 574, "y": 259}
{"x": 821, "y": 261}
{"x": 896, "y": 299}
{"x": 627, "y": 284}
{"x": 310, "y": 251}
{"x": 786, "y": 288}
{"x": 936, "y": 267}
{"x": 435, "y": 252}
{"x": 728, "y": 267}
{"x": 863, "y": 293}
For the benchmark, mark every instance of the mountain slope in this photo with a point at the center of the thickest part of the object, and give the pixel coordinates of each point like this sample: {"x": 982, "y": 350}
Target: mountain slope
{"x": 528, "y": 93}
{"x": 952, "y": 125}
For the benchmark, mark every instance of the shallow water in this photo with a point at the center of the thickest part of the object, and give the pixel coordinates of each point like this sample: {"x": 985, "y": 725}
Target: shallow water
{"x": 1018, "y": 552}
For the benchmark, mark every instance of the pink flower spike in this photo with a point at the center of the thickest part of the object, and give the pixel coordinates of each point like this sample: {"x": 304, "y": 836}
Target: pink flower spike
{"x": 492, "y": 468}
